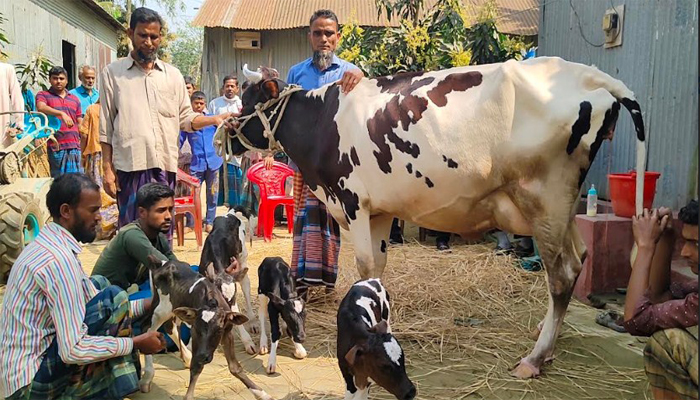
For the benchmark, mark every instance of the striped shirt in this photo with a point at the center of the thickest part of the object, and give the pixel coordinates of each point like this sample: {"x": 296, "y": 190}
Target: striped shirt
{"x": 45, "y": 300}
{"x": 67, "y": 137}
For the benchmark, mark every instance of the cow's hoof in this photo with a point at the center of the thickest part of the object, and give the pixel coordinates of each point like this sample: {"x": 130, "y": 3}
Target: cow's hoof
{"x": 261, "y": 395}
{"x": 525, "y": 370}
{"x": 252, "y": 326}
{"x": 264, "y": 350}
{"x": 300, "y": 353}
{"x": 145, "y": 387}
{"x": 271, "y": 369}
{"x": 250, "y": 348}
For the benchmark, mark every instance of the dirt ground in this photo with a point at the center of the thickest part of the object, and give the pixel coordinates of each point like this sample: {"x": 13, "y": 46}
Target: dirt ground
{"x": 584, "y": 349}
{"x": 591, "y": 362}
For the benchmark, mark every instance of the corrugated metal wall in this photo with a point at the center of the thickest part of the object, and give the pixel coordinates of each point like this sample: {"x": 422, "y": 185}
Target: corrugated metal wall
{"x": 31, "y": 25}
{"x": 658, "y": 60}
{"x": 279, "y": 49}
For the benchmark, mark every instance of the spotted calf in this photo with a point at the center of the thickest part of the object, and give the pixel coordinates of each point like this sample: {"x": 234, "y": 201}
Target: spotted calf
{"x": 277, "y": 298}
{"x": 180, "y": 292}
{"x": 367, "y": 350}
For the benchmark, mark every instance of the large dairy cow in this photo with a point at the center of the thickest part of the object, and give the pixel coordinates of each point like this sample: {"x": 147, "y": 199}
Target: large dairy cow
{"x": 461, "y": 150}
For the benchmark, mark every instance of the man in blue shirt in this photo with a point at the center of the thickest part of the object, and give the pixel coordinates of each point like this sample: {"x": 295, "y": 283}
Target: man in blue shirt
{"x": 86, "y": 92}
{"x": 205, "y": 162}
{"x": 316, "y": 234}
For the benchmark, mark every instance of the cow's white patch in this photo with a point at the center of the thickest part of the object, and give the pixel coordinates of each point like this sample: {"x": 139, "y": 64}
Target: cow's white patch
{"x": 298, "y": 306}
{"x": 393, "y": 350}
{"x": 366, "y": 321}
{"x": 195, "y": 284}
{"x": 207, "y": 315}
{"x": 368, "y": 304}
{"x": 162, "y": 262}
{"x": 381, "y": 294}
{"x": 228, "y": 290}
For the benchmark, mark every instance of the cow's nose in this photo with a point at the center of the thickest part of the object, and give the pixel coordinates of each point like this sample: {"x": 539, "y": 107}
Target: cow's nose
{"x": 411, "y": 393}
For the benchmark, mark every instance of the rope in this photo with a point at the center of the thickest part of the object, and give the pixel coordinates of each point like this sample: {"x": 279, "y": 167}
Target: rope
{"x": 222, "y": 138}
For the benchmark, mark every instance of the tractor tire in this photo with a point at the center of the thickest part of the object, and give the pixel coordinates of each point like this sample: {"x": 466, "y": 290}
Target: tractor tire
{"x": 21, "y": 219}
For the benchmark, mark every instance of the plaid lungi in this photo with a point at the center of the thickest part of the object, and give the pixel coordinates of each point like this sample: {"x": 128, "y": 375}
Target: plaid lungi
{"x": 129, "y": 184}
{"x": 234, "y": 180}
{"x": 250, "y": 192}
{"x": 92, "y": 163}
{"x": 65, "y": 162}
{"x": 671, "y": 361}
{"x": 316, "y": 243}
{"x": 107, "y": 314}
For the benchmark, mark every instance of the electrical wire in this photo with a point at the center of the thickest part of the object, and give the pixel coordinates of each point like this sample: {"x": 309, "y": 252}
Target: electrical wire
{"x": 580, "y": 27}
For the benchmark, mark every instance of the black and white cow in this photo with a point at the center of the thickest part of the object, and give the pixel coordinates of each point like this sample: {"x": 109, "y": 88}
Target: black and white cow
{"x": 225, "y": 251}
{"x": 277, "y": 297}
{"x": 366, "y": 348}
{"x": 461, "y": 150}
{"x": 180, "y": 292}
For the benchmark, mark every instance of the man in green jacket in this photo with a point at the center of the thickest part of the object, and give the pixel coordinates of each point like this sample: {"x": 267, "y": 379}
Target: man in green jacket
{"x": 124, "y": 259}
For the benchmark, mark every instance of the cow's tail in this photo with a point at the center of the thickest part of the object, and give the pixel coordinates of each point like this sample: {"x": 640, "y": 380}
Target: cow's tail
{"x": 625, "y": 96}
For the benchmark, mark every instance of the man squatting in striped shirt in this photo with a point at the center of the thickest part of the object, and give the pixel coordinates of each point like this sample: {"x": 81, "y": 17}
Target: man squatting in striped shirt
{"x": 64, "y": 334}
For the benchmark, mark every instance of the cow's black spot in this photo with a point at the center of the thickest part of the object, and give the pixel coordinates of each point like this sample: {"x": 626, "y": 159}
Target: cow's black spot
{"x": 418, "y": 174}
{"x": 608, "y": 123}
{"x": 353, "y": 156}
{"x": 320, "y": 161}
{"x": 409, "y": 168}
{"x": 429, "y": 182}
{"x": 580, "y": 127}
{"x": 382, "y": 125}
{"x": 451, "y": 163}
{"x": 444, "y": 158}
{"x": 453, "y": 82}
{"x": 382, "y": 248}
{"x": 633, "y": 107}
{"x": 401, "y": 83}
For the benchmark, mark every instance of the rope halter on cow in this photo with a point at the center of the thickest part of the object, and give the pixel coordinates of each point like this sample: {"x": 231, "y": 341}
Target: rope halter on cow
{"x": 222, "y": 138}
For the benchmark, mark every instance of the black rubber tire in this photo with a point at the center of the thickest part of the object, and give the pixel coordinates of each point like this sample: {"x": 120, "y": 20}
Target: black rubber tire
{"x": 14, "y": 210}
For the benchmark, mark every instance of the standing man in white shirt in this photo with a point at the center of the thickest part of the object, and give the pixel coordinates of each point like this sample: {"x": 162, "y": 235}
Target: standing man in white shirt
{"x": 230, "y": 103}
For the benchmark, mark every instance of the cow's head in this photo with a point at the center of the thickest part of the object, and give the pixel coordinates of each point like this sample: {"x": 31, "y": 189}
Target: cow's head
{"x": 293, "y": 311}
{"x": 209, "y": 324}
{"x": 381, "y": 358}
{"x": 265, "y": 85}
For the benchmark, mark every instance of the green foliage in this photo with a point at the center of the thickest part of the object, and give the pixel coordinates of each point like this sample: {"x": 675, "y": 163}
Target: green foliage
{"x": 186, "y": 51}
{"x": 35, "y": 72}
{"x": 3, "y": 39}
{"x": 444, "y": 36}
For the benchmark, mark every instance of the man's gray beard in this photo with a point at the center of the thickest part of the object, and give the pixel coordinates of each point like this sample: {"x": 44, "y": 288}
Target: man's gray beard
{"x": 146, "y": 58}
{"x": 323, "y": 59}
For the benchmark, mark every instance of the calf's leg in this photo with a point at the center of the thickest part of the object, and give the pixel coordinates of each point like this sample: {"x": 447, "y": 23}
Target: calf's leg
{"x": 245, "y": 336}
{"x": 236, "y": 370}
{"x": 262, "y": 315}
{"x": 161, "y": 314}
{"x": 275, "y": 337}
{"x": 251, "y": 325}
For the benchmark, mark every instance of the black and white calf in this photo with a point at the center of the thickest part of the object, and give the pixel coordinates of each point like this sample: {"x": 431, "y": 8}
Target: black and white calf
{"x": 366, "y": 348}
{"x": 278, "y": 297}
{"x": 180, "y": 292}
{"x": 225, "y": 252}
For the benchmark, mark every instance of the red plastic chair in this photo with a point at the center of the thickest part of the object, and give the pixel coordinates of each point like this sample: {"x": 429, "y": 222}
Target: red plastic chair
{"x": 271, "y": 183}
{"x": 189, "y": 204}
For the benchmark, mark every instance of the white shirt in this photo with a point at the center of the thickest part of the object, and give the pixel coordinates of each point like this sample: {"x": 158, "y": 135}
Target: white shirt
{"x": 221, "y": 105}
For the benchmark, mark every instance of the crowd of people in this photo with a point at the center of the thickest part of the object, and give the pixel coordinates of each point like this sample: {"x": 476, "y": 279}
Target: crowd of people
{"x": 68, "y": 335}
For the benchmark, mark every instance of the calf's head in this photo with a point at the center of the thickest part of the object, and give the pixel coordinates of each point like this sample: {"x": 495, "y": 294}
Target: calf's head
{"x": 209, "y": 324}
{"x": 293, "y": 312}
{"x": 381, "y": 358}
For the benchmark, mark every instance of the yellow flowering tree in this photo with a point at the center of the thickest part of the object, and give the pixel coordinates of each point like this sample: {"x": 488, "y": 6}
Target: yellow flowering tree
{"x": 444, "y": 36}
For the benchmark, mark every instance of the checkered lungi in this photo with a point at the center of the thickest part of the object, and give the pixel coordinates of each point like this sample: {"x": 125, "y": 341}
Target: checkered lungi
{"x": 107, "y": 314}
{"x": 65, "y": 162}
{"x": 92, "y": 163}
{"x": 316, "y": 241}
{"x": 671, "y": 361}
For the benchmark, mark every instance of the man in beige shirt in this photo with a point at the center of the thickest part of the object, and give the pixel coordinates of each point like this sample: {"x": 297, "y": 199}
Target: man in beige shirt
{"x": 10, "y": 100}
{"x": 144, "y": 105}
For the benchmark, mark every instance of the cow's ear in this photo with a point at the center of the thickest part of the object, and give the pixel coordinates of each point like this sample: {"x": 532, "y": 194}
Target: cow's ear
{"x": 209, "y": 272}
{"x": 186, "y": 314}
{"x": 276, "y": 301}
{"x": 353, "y": 355}
{"x": 235, "y": 318}
{"x": 381, "y": 328}
{"x": 271, "y": 89}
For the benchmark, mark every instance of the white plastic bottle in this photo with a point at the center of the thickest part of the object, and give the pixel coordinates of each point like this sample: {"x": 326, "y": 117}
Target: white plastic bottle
{"x": 592, "y": 202}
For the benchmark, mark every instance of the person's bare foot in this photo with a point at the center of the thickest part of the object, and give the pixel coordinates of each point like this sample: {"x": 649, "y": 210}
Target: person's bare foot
{"x": 207, "y": 228}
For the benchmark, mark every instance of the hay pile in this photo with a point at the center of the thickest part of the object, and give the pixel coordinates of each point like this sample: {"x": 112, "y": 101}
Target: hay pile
{"x": 465, "y": 318}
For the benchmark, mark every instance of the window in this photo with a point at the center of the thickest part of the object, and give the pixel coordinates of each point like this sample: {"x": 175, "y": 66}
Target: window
{"x": 68, "y": 52}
